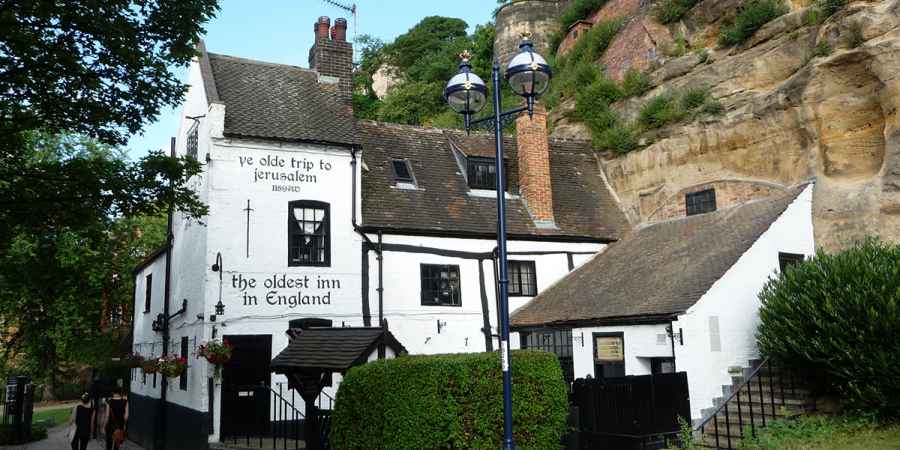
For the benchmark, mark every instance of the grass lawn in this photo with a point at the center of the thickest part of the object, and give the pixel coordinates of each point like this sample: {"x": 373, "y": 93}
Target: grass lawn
{"x": 58, "y": 416}
{"x": 826, "y": 433}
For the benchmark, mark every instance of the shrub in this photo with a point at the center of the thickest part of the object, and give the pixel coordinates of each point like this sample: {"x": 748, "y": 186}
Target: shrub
{"x": 449, "y": 401}
{"x": 838, "y": 315}
{"x": 635, "y": 83}
{"x": 619, "y": 138}
{"x": 712, "y": 107}
{"x": 821, "y": 50}
{"x": 694, "y": 98}
{"x": 751, "y": 17}
{"x": 659, "y": 111}
{"x": 829, "y": 7}
{"x": 669, "y": 11}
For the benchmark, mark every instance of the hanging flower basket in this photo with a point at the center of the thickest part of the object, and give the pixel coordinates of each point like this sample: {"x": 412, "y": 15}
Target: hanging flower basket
{"x": 132, "y": 361}
{"x": 150, "y": 366}
{"x": 172, "y": 366}
{"x": 217, "y": 353}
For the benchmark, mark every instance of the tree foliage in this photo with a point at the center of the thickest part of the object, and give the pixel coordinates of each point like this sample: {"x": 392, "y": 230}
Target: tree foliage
{"x": 423, "y": 59}
{"x": 838, "y": 315}
{"x": 101, "y": 69}
{"x": 75, "y": 217}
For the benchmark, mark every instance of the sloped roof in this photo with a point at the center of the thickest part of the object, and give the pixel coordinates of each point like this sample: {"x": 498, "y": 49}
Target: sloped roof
{"x": 276, "y": 101}
{"x": 657, "y": 271}
{"x": 583, "y": 206}
{"x": 334, "y": 349}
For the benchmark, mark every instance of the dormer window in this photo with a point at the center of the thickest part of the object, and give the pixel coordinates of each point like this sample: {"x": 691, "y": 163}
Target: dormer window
{"x": 482, "y": 173}
{"x": 193, "y": 139}
{"x": 403, "y": 171}
{"x": 700, "y": 202}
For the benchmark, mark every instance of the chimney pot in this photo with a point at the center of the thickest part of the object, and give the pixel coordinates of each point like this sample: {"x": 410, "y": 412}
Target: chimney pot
{"x": 321, "y": 28}
{"x": 339, "y": 31}
{"x": 533, "y": 147}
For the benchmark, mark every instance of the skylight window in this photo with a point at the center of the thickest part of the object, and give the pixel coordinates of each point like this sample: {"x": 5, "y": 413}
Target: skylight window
{"x": 403, "y": 171}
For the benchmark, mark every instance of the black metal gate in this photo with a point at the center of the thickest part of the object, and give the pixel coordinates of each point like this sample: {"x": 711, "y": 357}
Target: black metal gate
{"x": 634, "y": 412}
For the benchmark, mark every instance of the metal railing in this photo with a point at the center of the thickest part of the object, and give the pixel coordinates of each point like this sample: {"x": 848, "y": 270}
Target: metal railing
{"x": 282, "y": 428}
{"x": 746, "y": 413}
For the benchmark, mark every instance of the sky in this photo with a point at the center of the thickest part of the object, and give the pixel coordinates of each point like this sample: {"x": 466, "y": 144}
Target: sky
{"x": 281, "y": 31}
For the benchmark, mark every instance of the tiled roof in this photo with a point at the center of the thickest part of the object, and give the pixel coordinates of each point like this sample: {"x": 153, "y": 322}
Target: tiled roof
{"x": 442, "y": 202}
{"x": 276, "y": 101}
{"x": 657, "y": 271}
{"x": 282, "y": 102}
{"x": 334, "y": 349}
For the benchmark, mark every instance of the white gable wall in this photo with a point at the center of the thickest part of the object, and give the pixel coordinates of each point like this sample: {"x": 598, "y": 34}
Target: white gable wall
{"x": 733, "y": 301}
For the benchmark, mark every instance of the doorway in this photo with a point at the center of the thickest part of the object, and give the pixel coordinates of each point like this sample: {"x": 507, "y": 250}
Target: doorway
{"x": 609, "y": 355}
{"x": 245, "y": 386}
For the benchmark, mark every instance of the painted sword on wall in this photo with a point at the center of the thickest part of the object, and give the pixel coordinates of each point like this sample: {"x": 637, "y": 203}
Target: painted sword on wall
{"x": 248, "y": 209}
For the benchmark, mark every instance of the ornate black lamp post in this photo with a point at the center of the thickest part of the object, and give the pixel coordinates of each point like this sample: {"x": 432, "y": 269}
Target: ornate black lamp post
{"x": 529, "y": 76}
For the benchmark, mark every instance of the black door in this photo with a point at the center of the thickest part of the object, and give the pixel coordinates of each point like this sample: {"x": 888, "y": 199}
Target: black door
{"x": 245, "y": 386}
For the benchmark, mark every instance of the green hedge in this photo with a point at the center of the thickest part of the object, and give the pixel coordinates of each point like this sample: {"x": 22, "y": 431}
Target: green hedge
{"x": 838, "y": 316}
{"x": 449, "y": 401}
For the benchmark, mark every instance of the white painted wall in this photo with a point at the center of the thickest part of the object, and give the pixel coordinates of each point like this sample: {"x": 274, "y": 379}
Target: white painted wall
{"x": 733, "y": 299}
{"x": 415, "y": 325}
{"x": 641, "y": 343}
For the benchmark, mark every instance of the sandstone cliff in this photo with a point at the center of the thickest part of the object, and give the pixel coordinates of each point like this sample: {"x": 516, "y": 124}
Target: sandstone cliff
{"x": 803, "y": 100}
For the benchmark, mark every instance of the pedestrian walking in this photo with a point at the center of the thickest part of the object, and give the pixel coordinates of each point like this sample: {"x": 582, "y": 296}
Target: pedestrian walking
{"x": 116, "y": 420}
{"x": 83, "y": 416}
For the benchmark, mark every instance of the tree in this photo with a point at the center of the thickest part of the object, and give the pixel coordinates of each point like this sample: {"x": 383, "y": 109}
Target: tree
{"x": 73, "y": 222}
{"x": 101, "y": 69}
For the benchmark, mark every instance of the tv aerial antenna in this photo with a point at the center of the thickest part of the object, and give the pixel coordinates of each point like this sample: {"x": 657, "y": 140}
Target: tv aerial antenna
{"x": 350, "y": 8}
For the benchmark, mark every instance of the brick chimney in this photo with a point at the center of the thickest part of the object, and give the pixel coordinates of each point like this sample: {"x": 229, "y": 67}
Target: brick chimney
{"x": 332, "y": 56}
{"x": 533, "y": 146}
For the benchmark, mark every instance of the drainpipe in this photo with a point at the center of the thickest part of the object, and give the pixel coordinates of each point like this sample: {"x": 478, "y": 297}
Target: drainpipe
{"x": 672, "y": 339}
{"x": 380, "y": 253}
{"x": 367, "y": 320}
{"x": 160, "y": 438}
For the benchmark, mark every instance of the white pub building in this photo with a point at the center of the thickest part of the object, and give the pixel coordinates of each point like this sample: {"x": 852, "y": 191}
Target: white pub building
{"x": 313, "y": 214}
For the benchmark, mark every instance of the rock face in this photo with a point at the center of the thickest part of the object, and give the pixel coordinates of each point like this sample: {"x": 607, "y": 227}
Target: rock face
{"x": 538, "y": 17}
{"x": 801, "y": 102}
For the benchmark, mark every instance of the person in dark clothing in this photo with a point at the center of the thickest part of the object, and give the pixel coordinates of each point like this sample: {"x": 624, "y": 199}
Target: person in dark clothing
{"x": 83, "y": 417}
{"x": 116, "y": 418}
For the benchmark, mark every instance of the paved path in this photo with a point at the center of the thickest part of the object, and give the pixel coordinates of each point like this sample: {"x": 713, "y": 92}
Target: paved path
{"x": 56, "y": 440}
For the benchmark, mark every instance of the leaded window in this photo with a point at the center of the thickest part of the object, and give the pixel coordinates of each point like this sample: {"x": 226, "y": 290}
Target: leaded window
{"x": 402, "y": 171}
{"x": 482, "y": 173}
{"x": 786, "y": 260}
{"x": 193, "y": 139}
{"x": 556, "y": 341}
{"x": 440, "y": 285}
{"x": 700, "y": 202}
{"x": 148, "y": 292}
{"x": 309, "y": 241}
{"x": 522, "y": 279}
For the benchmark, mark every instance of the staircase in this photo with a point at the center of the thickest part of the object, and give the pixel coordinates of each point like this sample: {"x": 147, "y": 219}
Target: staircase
{"x": 762, "y": 394}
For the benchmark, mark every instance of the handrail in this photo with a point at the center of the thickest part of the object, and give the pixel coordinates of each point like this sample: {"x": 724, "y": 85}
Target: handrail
{"x": 761, "y": 401}
{"x": 734, "y": 393}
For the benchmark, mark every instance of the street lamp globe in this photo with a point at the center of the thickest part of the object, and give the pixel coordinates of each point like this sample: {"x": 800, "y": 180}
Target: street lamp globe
{"x": 466, "y": 92}
{"x": 528, "y": 73}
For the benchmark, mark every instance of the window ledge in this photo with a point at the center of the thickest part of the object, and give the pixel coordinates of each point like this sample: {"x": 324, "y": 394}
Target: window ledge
{"x": 490, "y": 193}
{"x": 406, "y": 187}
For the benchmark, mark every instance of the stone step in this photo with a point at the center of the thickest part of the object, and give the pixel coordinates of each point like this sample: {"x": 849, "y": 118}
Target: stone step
{"x": 254, "y": 444}
{"x": 765, "y": 387}
{"x": 767, "y": 398}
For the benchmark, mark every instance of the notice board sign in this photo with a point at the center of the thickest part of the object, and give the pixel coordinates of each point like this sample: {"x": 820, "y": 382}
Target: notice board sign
{"x": 609, "y": 348}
